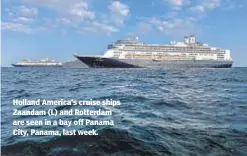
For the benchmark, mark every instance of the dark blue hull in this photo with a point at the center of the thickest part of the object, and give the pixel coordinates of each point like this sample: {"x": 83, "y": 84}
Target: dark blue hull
{"x": 100, "y": 62}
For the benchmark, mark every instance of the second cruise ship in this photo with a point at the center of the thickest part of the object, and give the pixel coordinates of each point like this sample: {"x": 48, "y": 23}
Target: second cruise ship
{"x": 41, "y": 63}
{"x": 133, "y": 53}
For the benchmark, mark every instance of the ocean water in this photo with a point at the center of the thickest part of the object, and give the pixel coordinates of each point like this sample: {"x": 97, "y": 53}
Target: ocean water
{"x": 162, "y": 112}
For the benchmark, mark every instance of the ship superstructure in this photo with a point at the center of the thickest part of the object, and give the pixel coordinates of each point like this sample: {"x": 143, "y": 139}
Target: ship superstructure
{"x": 136, "y": 53}
{"x": 41, "y": 63}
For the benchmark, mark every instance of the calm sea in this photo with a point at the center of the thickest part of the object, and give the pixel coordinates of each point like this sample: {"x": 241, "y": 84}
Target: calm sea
{"x": 162, "y": 112}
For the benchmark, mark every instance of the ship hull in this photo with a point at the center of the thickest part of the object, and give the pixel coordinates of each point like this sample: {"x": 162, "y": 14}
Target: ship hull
{"x": 17, "y": 65}
{"x": 101, "y": 62}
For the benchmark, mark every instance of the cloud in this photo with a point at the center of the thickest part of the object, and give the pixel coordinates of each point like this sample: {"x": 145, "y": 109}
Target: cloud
{"x": 205, "y": 6}
{"x": 106, "y": 23}
{"x": 81, "y": 10}
{"x": 22, "y": 11}
{"x": 78, "y": 15}
{"x": 23, "y": 20}
{"x": 70, "y": 8}
{"x": 177, "y": 4}
{"x": 100, "y": 27}
{"x": 18, "y": 27}
{"x": 109, "y": 22}
{"x": 118, "y": 12}
{"x": 19, "y": 19}
{"x": 64, "y": 21}
{"x": 198, "y": 8}
{"x": 172, "y": 27}
{"x": 119, "y": 8}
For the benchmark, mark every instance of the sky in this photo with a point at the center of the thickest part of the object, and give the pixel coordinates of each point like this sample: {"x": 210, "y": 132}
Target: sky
{"x": 56, "y": 29}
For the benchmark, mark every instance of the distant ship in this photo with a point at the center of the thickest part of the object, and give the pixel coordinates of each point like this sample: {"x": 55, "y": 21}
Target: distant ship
{"x": 133, "y": 53}
{"x": 41, "y": 63}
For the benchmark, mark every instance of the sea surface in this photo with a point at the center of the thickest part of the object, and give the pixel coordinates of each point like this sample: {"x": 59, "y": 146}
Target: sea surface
{"x": 182, "y": 112}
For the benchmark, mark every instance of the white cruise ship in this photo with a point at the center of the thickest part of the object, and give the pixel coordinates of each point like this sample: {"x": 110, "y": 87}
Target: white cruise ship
{"x": 41, "y": 63}
{"x": 133, "y": 53}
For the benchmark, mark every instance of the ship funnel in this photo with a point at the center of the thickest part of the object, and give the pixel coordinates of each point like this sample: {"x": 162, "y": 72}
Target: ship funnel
{"x": 192, "y": 39}
{"x": 186, "y": 40}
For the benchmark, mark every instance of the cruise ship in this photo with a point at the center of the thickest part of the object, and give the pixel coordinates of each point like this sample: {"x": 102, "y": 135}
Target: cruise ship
{"x": 41, "y": 63}
{"x": 133, "y": 53}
